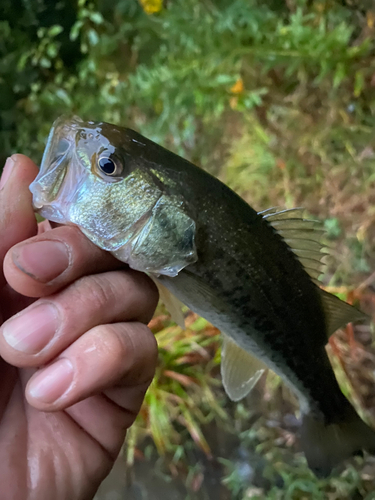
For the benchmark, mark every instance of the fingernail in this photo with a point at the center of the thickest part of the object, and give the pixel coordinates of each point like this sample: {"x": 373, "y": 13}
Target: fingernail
{"x": 6, "y": 171}
{"x": 32, "y": 330}
{"x": 42, "y": 260}
{"x": 51, "y": 383}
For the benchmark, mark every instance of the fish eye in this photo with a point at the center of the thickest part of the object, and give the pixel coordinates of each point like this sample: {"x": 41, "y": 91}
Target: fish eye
{"x": 109, "y": 166}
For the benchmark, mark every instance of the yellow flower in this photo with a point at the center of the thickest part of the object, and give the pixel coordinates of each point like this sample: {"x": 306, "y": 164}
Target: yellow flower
{"x": 151, "y": 6}
{"x": 238, "y": 87}
{"x": 370, "y": 19}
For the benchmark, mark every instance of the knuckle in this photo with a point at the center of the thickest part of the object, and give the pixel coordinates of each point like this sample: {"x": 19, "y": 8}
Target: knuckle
{"x": 131, "y": 347}
{"x": 96, "y": 291}
{"x": 103, "y": 291}
{"x": 146, "y": 290}
{"x": 114, "y": 345}
{"x": 144, "y": 342}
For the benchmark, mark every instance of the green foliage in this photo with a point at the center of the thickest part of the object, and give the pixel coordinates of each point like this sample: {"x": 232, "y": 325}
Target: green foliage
{"x": 176, "y": 68}
{"x": 182, "y": 396}
{"x": 289, "y": 477}
{"x": 332, "y": 227}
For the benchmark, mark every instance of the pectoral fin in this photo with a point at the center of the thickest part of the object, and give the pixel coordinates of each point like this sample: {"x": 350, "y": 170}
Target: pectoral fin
{"x": 240, "y": 370}
{"x": 172, "y": 304}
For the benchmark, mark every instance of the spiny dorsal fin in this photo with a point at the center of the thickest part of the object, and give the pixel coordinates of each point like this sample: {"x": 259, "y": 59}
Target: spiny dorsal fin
{"x": 269, "y": 211}
{"x": 290, "y": 213}
{"x": 338, "y": 313}
{"x": 172, "y": 304}
{"x": 303, "y": 236}
{"x": 240, "y": 370}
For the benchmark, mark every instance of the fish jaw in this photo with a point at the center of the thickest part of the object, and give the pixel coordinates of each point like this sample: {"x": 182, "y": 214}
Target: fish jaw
{"x": 56, "y": 184}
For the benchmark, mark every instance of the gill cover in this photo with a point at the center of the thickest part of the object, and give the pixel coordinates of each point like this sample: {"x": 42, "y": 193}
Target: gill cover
{"x": 164, "y": 244}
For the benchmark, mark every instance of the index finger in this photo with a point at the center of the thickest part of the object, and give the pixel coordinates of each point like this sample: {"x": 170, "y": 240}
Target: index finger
{"x": 50, "y": 261}
{"x": 17, "y": 218}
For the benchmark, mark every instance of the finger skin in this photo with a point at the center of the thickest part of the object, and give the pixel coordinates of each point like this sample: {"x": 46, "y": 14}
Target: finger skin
{"x": 98, "y": 413}
{"x": 17, "y": 219}
{"x": 123, "y": 354}
{"x": 85, "y": 258}
{"x": 90, "y": 301}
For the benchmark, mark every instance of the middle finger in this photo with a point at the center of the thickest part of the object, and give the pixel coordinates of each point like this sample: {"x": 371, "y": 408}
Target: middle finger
{"x": 43, "y": 330}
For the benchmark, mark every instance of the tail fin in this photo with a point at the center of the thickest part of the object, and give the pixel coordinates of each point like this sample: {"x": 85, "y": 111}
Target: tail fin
{"x": 325, "y": 446}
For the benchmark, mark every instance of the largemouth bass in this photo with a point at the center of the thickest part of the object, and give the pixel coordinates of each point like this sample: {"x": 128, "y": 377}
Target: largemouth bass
{"x": 252, "y": 275}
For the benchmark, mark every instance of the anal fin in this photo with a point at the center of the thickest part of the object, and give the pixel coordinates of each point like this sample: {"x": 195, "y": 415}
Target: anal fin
{"x": 240, "y": 370}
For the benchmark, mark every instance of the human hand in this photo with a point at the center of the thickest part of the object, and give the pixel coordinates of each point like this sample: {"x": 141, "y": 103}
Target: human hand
{"x": 73, "y": 307}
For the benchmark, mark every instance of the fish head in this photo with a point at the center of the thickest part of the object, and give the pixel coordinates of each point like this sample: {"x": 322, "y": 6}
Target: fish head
{"x": 92, "y": 176}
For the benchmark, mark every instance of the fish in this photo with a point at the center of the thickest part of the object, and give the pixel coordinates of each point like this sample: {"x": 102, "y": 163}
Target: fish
{"x": 253, "y": 275}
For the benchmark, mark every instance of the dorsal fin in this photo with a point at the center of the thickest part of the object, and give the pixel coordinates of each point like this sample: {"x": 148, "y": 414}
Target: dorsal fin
{"x": 290, "y": 213}
{"x": 338, "y": 313}
{"x": 268, "y": 211}
{"x": 240, "y": 370}
{"x": 303, "y": 237}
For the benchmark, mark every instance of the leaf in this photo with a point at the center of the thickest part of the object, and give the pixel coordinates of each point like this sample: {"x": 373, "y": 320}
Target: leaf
{"x": 74, "y": 32}
{"x": 358, "y": 83}
{"x": 23, "y": 60}
{"x": 195, "y": 432}
{"x": 339, "y": 75}
{"x": 96, "y": 17}
{"x": 52, "y": 50}
{"x": 63, "y": 95}
{"x": 93, "y": 37}
{"x": 182, "y": 379}
{"x": 55, "y": 30}
{"x": 44, "y": 62}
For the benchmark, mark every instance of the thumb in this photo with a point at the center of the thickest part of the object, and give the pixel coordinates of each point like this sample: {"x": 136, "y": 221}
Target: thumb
{"x": 17, "y": 218}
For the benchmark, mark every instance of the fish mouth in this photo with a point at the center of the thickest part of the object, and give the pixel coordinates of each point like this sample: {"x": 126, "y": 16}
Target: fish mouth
{"x": 55, "y": 180}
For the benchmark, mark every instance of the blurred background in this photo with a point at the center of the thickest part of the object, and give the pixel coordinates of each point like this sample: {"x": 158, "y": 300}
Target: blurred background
{"x": 277, "y": 99}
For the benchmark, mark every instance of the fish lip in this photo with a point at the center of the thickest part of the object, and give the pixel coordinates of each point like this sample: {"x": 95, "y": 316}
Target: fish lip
{"x": 51, "y": 213}
{"x": 58, "y": 153}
